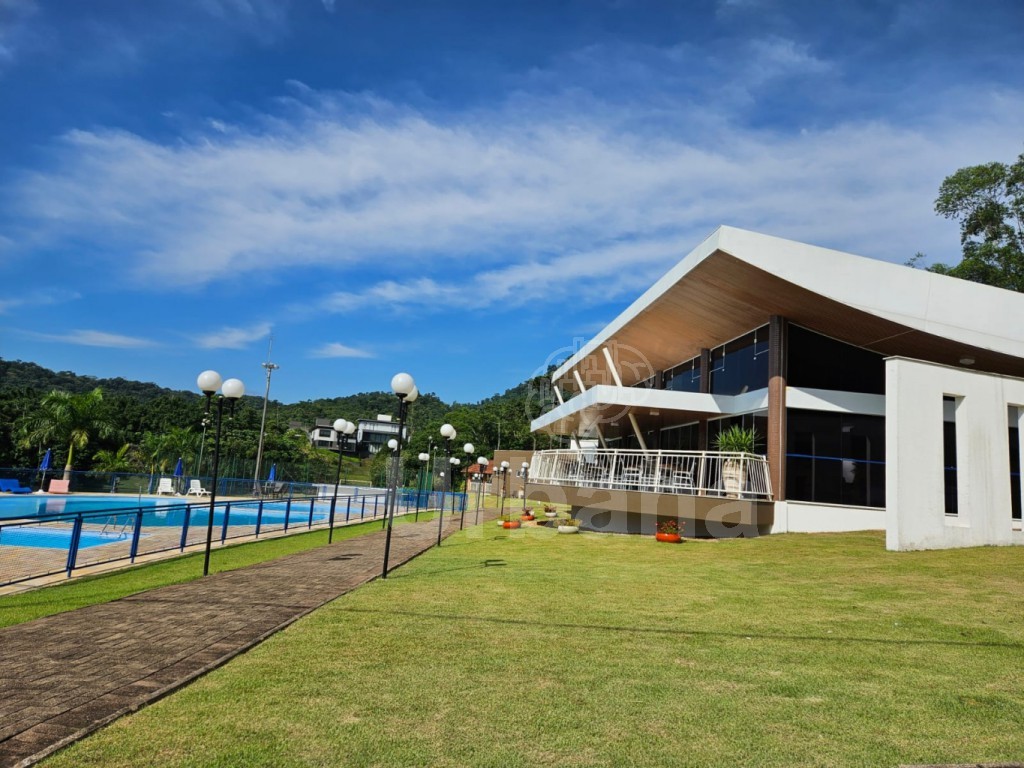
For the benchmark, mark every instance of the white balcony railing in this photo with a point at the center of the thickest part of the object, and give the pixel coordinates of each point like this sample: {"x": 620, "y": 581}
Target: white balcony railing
{"x": 699, "y": 473}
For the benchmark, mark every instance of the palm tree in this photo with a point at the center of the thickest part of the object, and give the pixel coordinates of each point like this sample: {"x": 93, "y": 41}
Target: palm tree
{"x": 64, "y": 418}
{"x": 114, "y": 461}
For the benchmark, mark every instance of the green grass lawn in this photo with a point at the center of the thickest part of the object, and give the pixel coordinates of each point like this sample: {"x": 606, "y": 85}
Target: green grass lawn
{"x": 103, "y": 588}
{"x": 532, "y": 648}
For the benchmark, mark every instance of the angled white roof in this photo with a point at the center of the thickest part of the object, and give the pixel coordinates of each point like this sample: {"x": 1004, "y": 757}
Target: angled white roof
{"x": 969, "y": 314}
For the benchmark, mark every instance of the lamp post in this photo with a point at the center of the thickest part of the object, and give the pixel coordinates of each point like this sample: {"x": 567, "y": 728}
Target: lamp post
{"x": 504, "y": 485}
{"x": 482, "y": 461}
{"x": 270, "y": 368}
{"x": 342, "y": 428}
{"x": 468, "y": 448}
{"x": 452, "y": 475}
{"x": 448, "y": 433}
{"x": 405, "y": 390}
{"x": 526, "y": 481}
{"x": 424, "y": 458}
{"x": 392, "y": 446}
{"x": 232, "y": 389}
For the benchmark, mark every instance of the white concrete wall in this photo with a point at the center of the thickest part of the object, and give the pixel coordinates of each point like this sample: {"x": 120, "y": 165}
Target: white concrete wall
{"x": 915, "y": 516}
{"x": 808, "y": 517}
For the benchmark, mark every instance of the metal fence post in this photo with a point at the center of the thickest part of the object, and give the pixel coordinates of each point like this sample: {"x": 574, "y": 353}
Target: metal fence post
{"x": 348, "y": 508}
{"x": 287, "y": 512}
{"x": 224, "y": 525}
{"x": 312, "y": 502}
{"x": 184, "y": 526}
{"x": 76, "y": 536}
{"x": 136, "y": 534}
{"x": 259, "y": 518}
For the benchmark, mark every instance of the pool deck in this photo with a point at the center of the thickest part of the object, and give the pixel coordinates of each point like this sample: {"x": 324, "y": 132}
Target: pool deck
{"x": 67, "y": 675}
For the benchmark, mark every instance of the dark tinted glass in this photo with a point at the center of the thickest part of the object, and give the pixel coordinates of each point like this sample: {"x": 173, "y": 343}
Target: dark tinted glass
{"x": 741, "y": 365}
{"x": 682, "y": 438}
{"x": 835, "y": 458}
{"x": 759, "y": 421}
{"x": 818, "y": 362}
{"x": 1015, "y": 472}
{"x": 684, "y": 377}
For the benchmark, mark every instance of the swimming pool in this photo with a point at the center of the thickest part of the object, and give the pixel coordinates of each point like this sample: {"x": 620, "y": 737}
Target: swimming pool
{"x": 39, "y": 505}
{"x": 55, "y": 538}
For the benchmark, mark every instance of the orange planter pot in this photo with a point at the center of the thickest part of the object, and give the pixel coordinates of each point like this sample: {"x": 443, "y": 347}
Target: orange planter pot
{"x": 671, "y": 538}
{"x": 510, "y": 524}
{"x": 526, "y": 517}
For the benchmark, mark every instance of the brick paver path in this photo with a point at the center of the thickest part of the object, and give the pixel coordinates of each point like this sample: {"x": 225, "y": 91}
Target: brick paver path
{"x": 64, "y": 676}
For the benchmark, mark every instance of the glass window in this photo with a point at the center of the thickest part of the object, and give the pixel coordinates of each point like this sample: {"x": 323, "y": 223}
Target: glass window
{"x": 818, "y": 362}
{"x": 835, "y": 458}
{"x": 684, "y": 377}
{"x": 759, "y": 421}
{"x": 949, "y": 455}
{"x": 741, "y": 365}
{"x": 681, "y": 438}
{"x": 1014, "y": 467}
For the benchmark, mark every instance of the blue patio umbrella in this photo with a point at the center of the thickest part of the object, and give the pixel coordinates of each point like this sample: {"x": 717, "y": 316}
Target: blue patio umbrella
{"x": 44, "y": 466}
{"x": 179, "y": 470}
{"x": 273, "y": 473}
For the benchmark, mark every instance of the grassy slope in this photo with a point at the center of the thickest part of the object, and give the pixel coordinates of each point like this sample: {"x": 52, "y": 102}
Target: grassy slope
{"x": 539, "y": 649}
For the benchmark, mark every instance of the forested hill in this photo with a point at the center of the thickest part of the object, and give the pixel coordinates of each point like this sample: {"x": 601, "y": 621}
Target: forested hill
{"x": 138, "y": 412}
{"x": 16, "y": 375}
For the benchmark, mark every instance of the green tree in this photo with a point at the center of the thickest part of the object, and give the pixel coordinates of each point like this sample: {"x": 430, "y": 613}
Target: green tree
{"x": 66, "y": 419}
{"x": 988, "y": 201}
{"x": 114, "y": 461}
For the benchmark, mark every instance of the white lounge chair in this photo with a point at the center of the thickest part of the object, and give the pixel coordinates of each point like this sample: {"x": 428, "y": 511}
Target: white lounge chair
{"x": 196, "y": 487}
{"x": 166, "y": 486}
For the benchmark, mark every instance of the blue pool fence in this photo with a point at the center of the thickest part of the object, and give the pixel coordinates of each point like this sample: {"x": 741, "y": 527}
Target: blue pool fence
{"x": 56, "y": 543}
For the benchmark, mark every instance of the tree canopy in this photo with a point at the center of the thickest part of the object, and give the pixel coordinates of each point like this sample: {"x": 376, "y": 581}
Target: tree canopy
{"x": 988, "y": 202}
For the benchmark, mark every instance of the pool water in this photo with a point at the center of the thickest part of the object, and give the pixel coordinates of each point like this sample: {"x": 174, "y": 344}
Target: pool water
{"x": 159, "y": 512}
{"x": 55, "y": 538}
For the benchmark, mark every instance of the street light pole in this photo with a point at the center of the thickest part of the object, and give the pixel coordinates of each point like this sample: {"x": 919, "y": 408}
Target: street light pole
{"x": 341, "y": 428}
{"x": 468, "y": 448}
{"x": 232, "y": 389}
{"x": 424, "y": 458}
{"x": 404, "y": 387}
{"x": 271, "y": 367}
{"x": 504, "y": 485}
{"x": 482, "y": 461}
{"x": 526, "y": 481}
{"x": 448, "y": 433}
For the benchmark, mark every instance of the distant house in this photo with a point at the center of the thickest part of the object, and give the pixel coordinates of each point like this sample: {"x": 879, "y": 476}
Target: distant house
{"x": 373, "y": 434}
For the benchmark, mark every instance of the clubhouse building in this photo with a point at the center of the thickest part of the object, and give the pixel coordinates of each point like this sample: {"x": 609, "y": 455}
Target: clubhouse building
{"x": 881, "y": 396}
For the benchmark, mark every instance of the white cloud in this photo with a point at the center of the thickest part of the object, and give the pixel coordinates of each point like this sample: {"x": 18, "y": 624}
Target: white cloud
{"x": 90, "y": 338}
{"x": 39, "y": 298}
{"x": 334, "y": 349}
{"x": 233, "y": 338}
{"x": 586, "y": 204}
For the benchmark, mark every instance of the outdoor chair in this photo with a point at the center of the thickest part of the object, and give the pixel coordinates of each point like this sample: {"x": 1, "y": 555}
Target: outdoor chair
{"x": 13, "y": 486}
{"x": 59, "y": 486}
{"x": 196, "y": 487}
{"x": 166, "y": 486}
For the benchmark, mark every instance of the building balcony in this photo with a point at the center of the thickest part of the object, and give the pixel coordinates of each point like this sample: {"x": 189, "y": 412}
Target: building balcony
{"x": 628, "y": 491}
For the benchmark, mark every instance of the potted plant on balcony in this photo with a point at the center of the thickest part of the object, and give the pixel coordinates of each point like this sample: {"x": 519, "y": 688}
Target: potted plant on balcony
{"x": 670, "y": 531}
{"x": 735, "y": 439}
{"x": 569, "y": 525}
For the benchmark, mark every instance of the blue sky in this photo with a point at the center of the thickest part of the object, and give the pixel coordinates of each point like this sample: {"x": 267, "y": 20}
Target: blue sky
{"x": 459, "y": 190}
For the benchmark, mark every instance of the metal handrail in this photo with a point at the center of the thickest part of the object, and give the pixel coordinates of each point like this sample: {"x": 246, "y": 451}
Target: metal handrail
{"x": 699, "y": 473}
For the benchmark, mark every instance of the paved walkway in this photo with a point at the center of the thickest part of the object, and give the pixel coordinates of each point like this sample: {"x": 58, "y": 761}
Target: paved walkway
{"x": 64, "y": 676}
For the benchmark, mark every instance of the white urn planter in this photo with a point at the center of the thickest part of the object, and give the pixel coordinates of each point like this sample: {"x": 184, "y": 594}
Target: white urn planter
{"x": 568, "y": 529}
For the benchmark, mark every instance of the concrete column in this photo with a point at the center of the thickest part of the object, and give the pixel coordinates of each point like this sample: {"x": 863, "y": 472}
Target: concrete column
{"x": 776, "y": 437}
